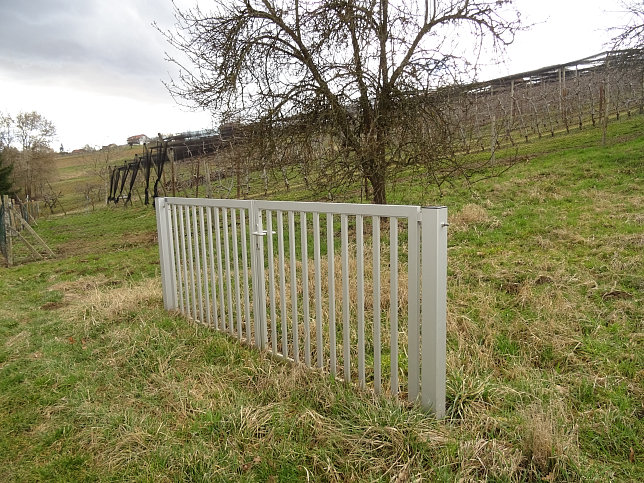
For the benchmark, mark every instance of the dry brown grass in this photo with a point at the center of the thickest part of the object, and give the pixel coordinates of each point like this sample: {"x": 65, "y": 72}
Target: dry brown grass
{"x": 484, "y": 459}
{"x": 18, "y": 342}
{"x": 471, "y": 214}
{"x": 97, "y": 299}
{"x": 549, "y": 439}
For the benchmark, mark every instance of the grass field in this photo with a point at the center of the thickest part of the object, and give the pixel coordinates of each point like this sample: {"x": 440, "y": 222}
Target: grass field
{"x": 545, "y": 348}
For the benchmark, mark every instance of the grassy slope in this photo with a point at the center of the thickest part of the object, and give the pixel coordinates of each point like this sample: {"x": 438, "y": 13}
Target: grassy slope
{"x": 77, "y": 172}
{"x": 545, "y": 362}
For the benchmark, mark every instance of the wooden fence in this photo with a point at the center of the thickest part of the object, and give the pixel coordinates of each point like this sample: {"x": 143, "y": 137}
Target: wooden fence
{"x": 18, "y": 240}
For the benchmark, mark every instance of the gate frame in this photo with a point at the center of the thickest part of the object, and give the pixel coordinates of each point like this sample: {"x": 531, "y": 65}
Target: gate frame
{"x": 427, "y": 264}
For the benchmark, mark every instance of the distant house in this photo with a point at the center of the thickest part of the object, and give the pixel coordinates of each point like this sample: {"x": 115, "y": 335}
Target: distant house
{"x": 138, "y": 139}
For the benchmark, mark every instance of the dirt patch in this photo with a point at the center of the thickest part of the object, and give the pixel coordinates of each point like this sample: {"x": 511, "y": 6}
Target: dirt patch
{"x": 147, "y": 238}
{"x": 80, "y": 247}
{"x": 53, "y": 305}
{"x": 78, "y": 289}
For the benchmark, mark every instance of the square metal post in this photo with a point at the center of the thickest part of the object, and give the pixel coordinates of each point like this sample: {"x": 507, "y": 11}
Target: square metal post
{"x": 165, "y": 254}
{"x": 434, "y": 308}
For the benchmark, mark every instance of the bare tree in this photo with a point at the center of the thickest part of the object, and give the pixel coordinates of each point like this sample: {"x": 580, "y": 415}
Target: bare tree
{"x": 101, "y": 161}
{"x": 6, "y": 130}
{"x": 33, "y": 131}
{"x": 630, "y": 35}
{"x": 344, "y": 69}
{"x": 6, "y": 161}
{"x": 35, "y": 165}
{"x": 5, "y": 173}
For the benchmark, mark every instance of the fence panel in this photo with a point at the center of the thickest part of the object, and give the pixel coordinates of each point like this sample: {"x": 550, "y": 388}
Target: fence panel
{"x": 385, "y": 266}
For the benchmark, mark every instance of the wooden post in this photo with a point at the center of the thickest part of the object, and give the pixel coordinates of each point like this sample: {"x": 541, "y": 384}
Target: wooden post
{"x": 603, "y": 103}
{"x": 172, "y": 172}
{"x": 493, "y": 139}
{"x": 512, "y": 101}
{"x": 562, "y": 98}
{"x": 8, "y": 229}
{"x": 197, "y": 179}
{"x": 642, "y": 94}
{"x": 580, "y": 106}
{"x": 33, "y": 233}
{"x": 24, "y": 240}
{"x": 238, "y": 169}
{"x": 206, "y": 166}
{"x": 561, "y": 88}
{"x": 606, "y": 101}
{"x": 106, "y": 186}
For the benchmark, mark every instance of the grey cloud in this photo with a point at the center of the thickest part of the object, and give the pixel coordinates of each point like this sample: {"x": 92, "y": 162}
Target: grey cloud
{"x": 58, "y": 38}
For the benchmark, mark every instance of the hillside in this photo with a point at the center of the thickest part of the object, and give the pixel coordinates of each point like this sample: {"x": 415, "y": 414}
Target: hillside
{"x": 81, "y": 178}
{"x": 545, "y": 345}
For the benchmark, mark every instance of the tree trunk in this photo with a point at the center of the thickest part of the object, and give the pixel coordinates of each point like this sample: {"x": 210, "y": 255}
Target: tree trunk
{"x": 378, "y": 164}
{"x": 377, "y": 174}
{"x": 378, "y": 182}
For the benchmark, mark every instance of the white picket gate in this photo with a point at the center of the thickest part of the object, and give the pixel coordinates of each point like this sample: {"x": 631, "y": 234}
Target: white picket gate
{"x": 228, "y": 264}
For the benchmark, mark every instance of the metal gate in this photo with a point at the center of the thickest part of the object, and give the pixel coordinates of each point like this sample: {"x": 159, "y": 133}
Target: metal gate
{"x": 358, "y": 291}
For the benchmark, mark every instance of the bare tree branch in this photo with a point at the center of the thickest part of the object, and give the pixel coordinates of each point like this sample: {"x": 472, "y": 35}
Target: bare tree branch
{"x": 345, "y": 68}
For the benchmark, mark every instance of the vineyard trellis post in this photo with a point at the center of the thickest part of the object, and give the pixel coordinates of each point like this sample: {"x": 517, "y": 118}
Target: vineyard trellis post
{"x": 5, "y": 229}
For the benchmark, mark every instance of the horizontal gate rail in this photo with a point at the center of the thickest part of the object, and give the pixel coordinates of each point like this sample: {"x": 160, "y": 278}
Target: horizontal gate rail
{"x": 358, "y": 291}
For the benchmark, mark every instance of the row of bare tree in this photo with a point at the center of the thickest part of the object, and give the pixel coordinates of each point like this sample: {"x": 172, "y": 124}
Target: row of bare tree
{"x": 559, "y": 98}
{"x": 358, "y": 91}
{"x": 265, "y": 156}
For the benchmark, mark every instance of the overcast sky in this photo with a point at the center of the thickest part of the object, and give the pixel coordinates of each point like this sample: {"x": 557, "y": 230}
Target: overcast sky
{"x": 95, "y": 67}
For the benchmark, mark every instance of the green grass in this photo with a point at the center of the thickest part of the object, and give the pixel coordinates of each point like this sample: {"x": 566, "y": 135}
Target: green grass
{"x": 545, "y": 348}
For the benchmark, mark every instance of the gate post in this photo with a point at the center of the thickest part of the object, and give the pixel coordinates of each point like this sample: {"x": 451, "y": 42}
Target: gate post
{"x": 434, "y": 308}
{"x": 166, "y": 254}
{"x": 257, "y": 271}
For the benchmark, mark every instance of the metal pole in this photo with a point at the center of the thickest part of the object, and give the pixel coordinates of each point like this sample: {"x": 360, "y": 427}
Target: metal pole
{"x": 165, "y": 253}
{"x": 434, "y": 308}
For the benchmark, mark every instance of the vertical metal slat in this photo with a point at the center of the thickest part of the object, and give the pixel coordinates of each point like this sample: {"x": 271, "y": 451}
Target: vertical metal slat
{"x": 177, "y": 257}
{"x": 346, "y": 328}
{"x": 377, "y": 369}
{"x": 220, "y": 273}
{"x": 305, "y": 289}
{"x": 244, "y": 237}
{"x": 271, "y": 280}
{"x": 195, "y": 238}
{"x": 360, "y": 301}
{"x": 205, "y": 266}
{"x": 238, "y": 310}
{"x": 393, "y": 304}
{"x": 213, "y": 278}
{"x": 190, "y": 242}
{"x": 229, "y": 285}
{"x": 319, "y": 342}
{"x": 280, "y": 249}
{"x": 331, "y": 269}
{"x": 185, "y": 262}
{"x": 293, "y": 270}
